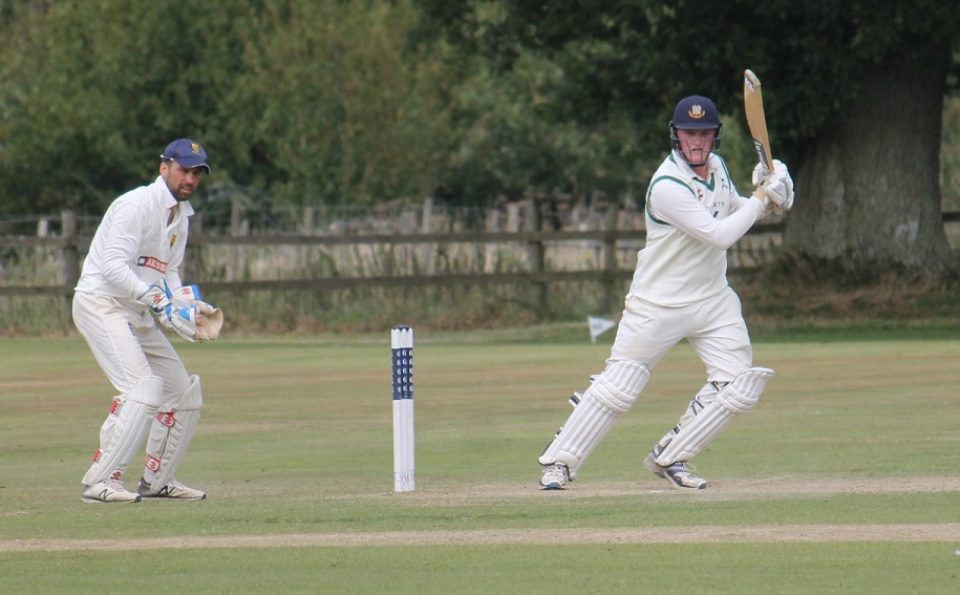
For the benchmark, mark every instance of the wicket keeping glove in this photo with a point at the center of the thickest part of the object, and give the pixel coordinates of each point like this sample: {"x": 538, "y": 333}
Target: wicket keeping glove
{"x": 198, "y": 322}
{"x": 192, "y": 318}
{"x": 157, "y": 300}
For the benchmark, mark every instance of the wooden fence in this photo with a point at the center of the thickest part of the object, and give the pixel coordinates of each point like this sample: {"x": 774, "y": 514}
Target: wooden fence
{"x": 610, "y": 268}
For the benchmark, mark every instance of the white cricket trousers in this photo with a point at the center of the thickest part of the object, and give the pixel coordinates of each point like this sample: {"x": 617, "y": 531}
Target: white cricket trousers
{"x": 714, "y": 327}
{"x": 129, "y": 345}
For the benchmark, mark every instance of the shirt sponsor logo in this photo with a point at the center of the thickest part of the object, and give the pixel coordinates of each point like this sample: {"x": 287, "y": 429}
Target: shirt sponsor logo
{"x": 152, "y": 263}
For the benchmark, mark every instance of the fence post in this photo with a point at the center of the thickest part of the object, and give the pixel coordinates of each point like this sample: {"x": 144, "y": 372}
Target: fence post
{"x": 234, "y": 264}
{"x": 536, "y": 251}
{"x": 193, "y": 267}
{"x": 428, "y": 252}
{"x": 70, "y": 255}
{"x": 307, "y": 228}
{"x": 491, "y": 250}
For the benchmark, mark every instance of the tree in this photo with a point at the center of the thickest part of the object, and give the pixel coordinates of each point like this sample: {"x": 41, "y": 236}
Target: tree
{"x": 344, "y": 115}
{"x": 310, "y": 102}
{"x": 870, "y": 176}
{"x": 91, "y": 92}
{"x": 854, "y": 95}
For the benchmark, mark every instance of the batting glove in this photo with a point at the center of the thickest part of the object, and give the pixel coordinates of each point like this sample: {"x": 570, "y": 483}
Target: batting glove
{"x": 777, "y": 185}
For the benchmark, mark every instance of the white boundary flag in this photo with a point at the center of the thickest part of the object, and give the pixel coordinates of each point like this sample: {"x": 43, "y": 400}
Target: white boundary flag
{"x": 598, "y": 326}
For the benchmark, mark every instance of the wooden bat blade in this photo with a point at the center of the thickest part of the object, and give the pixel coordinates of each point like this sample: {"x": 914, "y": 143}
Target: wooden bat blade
{"x": 756, "y": 121}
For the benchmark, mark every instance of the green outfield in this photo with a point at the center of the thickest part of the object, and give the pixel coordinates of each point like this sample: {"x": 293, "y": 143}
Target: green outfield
{"x": 845, "y": 478}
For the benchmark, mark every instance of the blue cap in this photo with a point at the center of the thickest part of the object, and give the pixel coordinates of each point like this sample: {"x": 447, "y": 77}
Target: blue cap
{"x": 695, "y": 113}
{"x": 188, "y": 153}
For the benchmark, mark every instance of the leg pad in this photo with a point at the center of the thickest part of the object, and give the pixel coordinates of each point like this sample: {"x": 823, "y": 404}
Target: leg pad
{"x": 170, "y": 436}
{"x": 739, "y": 396}
{"x": 610, "y": 395}
{"x": 125, "y": 435}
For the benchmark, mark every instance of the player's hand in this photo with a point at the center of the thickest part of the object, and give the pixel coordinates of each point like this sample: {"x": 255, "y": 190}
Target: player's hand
{"x": 183, "y": 321}
{"x": 197, "y": 322}
{"x": 209, "y": 322}
{"x": 186, "y": 295}
{"x": 777, "y": 185}
{"x": 157, "y": 299}
{"x": 760, "y": 173}
{"x": 192, "y": 318}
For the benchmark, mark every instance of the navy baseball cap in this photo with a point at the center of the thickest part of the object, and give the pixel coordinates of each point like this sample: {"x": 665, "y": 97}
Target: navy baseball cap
{"x": 188, "y": 153}
{"x": 695, "y": 113}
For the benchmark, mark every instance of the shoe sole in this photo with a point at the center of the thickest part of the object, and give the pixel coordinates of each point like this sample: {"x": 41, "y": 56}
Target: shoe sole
{"x": 87, "y": 500}
{"x": 156, "y": 497}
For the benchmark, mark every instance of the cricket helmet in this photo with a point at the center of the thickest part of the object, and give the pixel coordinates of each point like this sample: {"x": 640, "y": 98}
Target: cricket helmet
{"x": 696, "y": 113}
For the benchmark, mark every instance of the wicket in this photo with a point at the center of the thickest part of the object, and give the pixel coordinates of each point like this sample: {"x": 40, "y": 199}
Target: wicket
{"x": 401, "y": 342}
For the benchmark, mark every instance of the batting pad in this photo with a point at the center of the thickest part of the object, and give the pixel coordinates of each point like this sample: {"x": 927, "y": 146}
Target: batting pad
{"x": 610, "y": 395}
{"x": 740, "y": 396}
{"x": 138, "y": 405}
{"x": 170, "y": 436}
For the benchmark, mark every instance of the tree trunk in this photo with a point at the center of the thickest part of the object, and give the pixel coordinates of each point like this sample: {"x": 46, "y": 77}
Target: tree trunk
{"x": 868, "y": 196}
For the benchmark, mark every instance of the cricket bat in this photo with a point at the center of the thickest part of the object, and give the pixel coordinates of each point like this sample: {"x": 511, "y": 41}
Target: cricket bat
{"x": 756, "y": 121}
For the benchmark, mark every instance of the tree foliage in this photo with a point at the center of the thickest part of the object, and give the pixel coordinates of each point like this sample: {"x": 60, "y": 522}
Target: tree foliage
{"x": 640, "y": 57}
{"x": 312, "y": 101}
{"x": 332, "y": 102}
{"x": 345, "y": 114}
{"x": 854, "y": 95}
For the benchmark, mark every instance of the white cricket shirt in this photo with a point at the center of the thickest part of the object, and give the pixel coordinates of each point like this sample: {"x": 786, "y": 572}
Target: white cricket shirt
{"x": 691, "y": 222}
{"x": 134, "y": 246}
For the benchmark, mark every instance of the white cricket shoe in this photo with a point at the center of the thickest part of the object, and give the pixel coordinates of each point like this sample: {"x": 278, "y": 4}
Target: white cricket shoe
{"x": 108, "y": 491}
{"x": 555, "y": 477}
{"x": 678, "y": 474}
{"x": 173, "y": 490}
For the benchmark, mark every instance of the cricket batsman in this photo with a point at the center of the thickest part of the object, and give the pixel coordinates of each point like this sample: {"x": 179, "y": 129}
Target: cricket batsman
{"x": 679, "y": 291}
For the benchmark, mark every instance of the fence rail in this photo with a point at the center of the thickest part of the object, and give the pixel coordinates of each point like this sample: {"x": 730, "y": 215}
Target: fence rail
{"x": 72, "y": 246}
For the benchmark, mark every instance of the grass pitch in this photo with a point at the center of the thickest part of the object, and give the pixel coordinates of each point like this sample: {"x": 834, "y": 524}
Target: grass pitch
{"x": 844, "y": 479}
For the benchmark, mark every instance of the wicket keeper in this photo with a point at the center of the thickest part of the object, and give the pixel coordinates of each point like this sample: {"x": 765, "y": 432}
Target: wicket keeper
{"x": 129, "y": 289}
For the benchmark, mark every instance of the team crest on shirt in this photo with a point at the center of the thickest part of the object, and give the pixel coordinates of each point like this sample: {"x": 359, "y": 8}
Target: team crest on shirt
{"x": 173, "y": 239}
